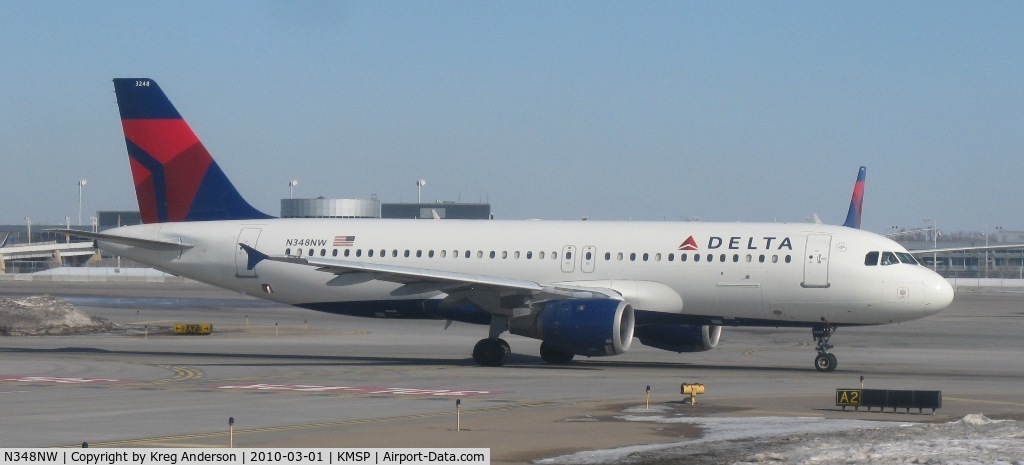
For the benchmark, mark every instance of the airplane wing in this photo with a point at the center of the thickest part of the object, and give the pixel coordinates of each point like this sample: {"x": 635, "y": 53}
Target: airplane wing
{"x": 352, "y": 272}
{"x": 129, "y": 241}
{"x": 487, "y": 291}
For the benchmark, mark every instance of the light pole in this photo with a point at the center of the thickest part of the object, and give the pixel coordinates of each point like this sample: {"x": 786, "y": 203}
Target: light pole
{"x": 67, "y": 220}
{"x": 419, "y": 189}
{"x": 995, "y": 257}
{"x": 291, "y": 187}
{"x": 81, "y": 182}
{"x": 29, "y": 222}
{"x": 986, "y": 250}
{"x": 935, "y": 242}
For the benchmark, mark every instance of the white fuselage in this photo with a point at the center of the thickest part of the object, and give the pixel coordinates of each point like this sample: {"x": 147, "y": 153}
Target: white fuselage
{"x": 728, "y": 273}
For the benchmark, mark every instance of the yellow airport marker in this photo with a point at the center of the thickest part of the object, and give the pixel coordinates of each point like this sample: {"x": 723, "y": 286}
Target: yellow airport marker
{"x": 692, "y": 390}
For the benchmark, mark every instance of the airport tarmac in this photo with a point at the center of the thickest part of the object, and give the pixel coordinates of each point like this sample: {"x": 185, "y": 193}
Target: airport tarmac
{"x": 296, "y": 378}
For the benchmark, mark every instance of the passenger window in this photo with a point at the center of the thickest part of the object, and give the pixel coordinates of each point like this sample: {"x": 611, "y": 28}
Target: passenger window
{"x": 369, "y": 253}
{"x": 645, "y": 257}
{"x": 334, "y": 253}
{"x": 721, "y": 258}
{"x": 735, "y": 258}
{"x": 540, "y": 255}
{"x": 406, "y": 253}
{"x": 492, "y": 254}
{"x": 590, "y": 256}
{"x": 788, "y": 258}
{"x": 419, "y": 253}
{"x": 632, "y": 257}
{"x": 711, "y": 258}
{"x": 516, "y": 255}
{"x": 444, "y": 253}
{"x": 467, "y": 254}
{"x": 750, "y": 258}
{"x": 298, "y": 252}
{"x": 618, "y": 256}
{"x": 383, "y": 252}
{"x": 504, "y": 254}
{"x": 288, "y": 251}
{"x": 889, "y": 258}
{"x": 554, "y": 255}
{"x": 607, "y": 256}
{"x": 348, "y": 252}
{"x": 430, "y": 254}
{"x": 775, "y": 259}
{"x": 671, "y": 257}
{"x": 529, "y": 254}
{"x": 682, "y": 257}
{"x": 394, "y": 253}
{"x": 696, "y": 257}
{"x": 657, "y": 257}
{"x": 760, "y": 259}
{"x": 359, "y": 252}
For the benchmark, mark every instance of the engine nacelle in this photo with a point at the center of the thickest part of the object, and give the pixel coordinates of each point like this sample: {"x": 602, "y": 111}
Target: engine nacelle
{"x": 680, "y": 338}
{"x": 591, "y": 327}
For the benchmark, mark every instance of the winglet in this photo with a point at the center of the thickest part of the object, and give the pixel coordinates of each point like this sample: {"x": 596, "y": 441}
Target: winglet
{"x": 857, "y": 202}
{"x": 255, "y": 256}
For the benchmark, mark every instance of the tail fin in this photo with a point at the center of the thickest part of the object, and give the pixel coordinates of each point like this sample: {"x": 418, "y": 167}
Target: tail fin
{"x": 176, "y": 179}
{"x": 857, "y": 202}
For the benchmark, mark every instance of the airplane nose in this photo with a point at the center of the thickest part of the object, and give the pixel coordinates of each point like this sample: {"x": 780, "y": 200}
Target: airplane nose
{"x": 939, "y": 293}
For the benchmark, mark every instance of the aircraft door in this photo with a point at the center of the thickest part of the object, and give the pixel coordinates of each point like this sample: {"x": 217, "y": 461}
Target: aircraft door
{"x": 569, "y": 258}
{"x": 249, "y": 237}
{"x": 816, "y": 260}
{"x": 589, "y": 257}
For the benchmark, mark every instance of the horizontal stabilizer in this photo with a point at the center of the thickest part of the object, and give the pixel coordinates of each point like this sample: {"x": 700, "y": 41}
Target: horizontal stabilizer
{"x": 125, "y": 240}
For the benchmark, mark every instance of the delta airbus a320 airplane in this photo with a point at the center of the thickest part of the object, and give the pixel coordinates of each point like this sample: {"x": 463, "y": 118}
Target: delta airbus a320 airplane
{"x": 581, "y": 287}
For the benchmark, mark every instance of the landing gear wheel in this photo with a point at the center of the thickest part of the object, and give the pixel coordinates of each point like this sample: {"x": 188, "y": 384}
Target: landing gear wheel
{"x": 555, "y": 355}
{"x": 822, "y": 334}
{"x": 825, "y": 362}
{"x": 491, "y": 352}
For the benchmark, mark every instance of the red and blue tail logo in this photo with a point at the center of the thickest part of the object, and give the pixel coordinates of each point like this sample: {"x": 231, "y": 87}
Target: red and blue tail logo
{"x": 857, "y": 202}
{"x": 176, "y": 179}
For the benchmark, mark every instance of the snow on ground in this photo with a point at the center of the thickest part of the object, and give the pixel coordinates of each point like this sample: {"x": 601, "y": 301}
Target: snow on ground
{"x": 46, "y": 314}
{"x": 974, "y": 439}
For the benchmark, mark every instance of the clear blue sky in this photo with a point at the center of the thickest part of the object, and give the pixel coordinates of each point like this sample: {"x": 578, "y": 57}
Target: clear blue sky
{"x": 730, "y": 111}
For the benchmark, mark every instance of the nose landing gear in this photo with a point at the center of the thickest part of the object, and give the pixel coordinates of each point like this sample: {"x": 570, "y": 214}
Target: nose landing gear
{"x": 822, "y": 334}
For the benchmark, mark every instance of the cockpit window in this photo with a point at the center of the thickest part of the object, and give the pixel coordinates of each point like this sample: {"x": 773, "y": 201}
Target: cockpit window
{"x": 871, "y": 259}
{"x": 889, "y": 258}
{"x": 906, "y": 258}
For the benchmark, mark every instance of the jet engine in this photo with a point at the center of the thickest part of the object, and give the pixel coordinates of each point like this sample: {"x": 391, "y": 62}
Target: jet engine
{"x": 680, "y": 338}
{"x": 591, "y": 327}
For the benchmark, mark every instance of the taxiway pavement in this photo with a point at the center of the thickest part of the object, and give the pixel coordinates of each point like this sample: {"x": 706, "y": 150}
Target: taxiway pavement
{"x": 297, "y": 378}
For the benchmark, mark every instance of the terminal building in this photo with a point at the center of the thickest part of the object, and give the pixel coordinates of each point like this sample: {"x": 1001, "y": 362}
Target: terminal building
{"x": 358, "y": 208}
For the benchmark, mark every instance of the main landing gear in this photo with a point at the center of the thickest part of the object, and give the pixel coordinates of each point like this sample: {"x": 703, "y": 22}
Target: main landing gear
{"x": 491, "y": 352}
{"x": 822, "y": 334}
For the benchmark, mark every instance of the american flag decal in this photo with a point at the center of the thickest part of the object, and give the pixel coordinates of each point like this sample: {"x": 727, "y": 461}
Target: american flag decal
{"x": 344, "y": 241}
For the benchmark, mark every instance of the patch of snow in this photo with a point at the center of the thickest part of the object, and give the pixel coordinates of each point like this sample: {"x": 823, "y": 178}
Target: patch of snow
{"x": 974, "y": 439}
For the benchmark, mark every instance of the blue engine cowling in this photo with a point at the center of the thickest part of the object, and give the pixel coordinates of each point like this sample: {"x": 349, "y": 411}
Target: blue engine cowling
{"x": 591, "y": 327}
{"x": 680, "y": 338}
